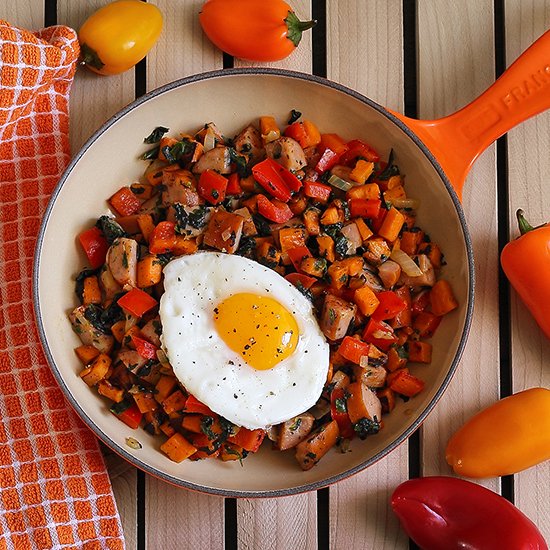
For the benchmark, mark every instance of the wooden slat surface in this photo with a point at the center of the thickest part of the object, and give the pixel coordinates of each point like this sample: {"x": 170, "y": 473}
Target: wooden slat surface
{"x": 528, "y": 166}
{"x": 455, "y": 64}
{"x": 360, "y": 516}
{"x": 364, "y": 44}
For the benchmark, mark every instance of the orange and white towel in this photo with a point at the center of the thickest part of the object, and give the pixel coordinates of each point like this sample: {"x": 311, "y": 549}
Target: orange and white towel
{"x": 54, "y": 489}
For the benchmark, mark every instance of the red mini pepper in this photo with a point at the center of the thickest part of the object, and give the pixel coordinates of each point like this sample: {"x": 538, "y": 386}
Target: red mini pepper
{"x": 328, "y": 159}
{"x": 274, "y": 210}
{"x": 268, "y": 174}
{"x": 137, "y": 302}
{"x": 95, "y": 246}
{"x": 193, "y": 405}
{"x": 380, "y": 334}
{"x": 163, "y": 238}
{"x": 127, "y": 413}
{"x": 234, "y": 184}
{"x": 359, "y": 149}
{"x": 301, "y": 280}
{"x": 446, "y": 513}
{"x": 297, "y": 255}
{"x": 212, "y": 186}
{"x": 125, "y": 202}
{"x": 249, "y": 440}
{"x": 390, "y": 305}
{"x": 353, "y": 349}
{"x": 526, "y": 263}
{"x": 339, "y": 412}
{"x": 144, "y": 348}
{"x": 317, "y": 190}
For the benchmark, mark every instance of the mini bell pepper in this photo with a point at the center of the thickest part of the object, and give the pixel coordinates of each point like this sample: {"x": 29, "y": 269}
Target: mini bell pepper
{"x": 95, "y": 246}
{"x": 274, "y": 210}
{"x": 144, "y": 348}
{"x": 328, "y": 159}
{"x": 163, "y": 238}
{"x": 353, "y": 349}
{"x": 358, "y": 149}
{"x": 364, "y": 208}
{"x": 317, "y": 190}
{"x": 505, "y": 438}
{"x": 268, "y": 176}
{"x": 446, "y": 513}
{"x": 526, "y": 263}
{"x": 339, "y": 412}
{"x": 380, "y": 334}
{"x": 137, "y": 302}
{"x": 390, "y": 304}
{"x": 127, "y": 413}
{"x": 212, "y": 186}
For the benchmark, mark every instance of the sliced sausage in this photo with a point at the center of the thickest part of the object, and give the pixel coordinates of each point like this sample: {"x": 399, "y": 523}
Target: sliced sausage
{"x": 294, "y": 430}
{"x": 88, "y": 333}
{"x": 287, "y": 152}
{"x": 122, "y": 262}
{"x": 218, "y": 159}
{"x": 336, "y": 317}
{"x": 249, "y": 143}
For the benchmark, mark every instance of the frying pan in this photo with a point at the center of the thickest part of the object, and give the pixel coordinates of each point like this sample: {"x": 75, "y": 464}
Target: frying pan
{"x": 434, "y": 155}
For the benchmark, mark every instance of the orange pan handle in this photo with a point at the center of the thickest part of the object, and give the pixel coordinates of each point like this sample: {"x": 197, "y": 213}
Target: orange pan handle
{"x": 521, "y": 92}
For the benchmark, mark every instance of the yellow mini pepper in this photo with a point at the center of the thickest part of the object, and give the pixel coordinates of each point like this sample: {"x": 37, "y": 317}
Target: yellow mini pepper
{"x": 505, "y": 438}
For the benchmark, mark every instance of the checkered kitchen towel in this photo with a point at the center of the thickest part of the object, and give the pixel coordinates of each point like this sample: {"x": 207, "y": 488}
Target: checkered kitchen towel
{"x": 54, "y": 490}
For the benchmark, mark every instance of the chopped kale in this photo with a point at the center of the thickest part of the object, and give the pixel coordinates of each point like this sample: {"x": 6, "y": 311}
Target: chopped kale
{"x": 180, "y": 216}
{"x": 294, "y": 116}
{"x": 390, "y": 170}
{"x": 103, "y": 319}
{"x": 151, "y": 154}
{"x": 341, "y": 245}
{"x": 156, "y": 135}
{"x": 79, "y": 282}
{"x": 366, "y": 426}
{"x": 262, "y": 225}
{"x": 180, "y": 152}
{"x": 247, "y": 245}
{"x": 163, "y": 259}
{"x": 241, "y": 163}
{"x": 197, "y": 218}
{"x": 110, "y": 229}
{"x": 333, "y": 230}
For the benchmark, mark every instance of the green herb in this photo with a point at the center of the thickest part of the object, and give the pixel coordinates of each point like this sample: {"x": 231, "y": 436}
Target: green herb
{"x": 180, "y": 216}
{"x": 247, "y": 246}
{"x": 151, "y": 154}
{"x": 125, "y": 260}
{"x": 305, "y": 291}
{"x": 156, "y": 135}
{"x": 262, "y": 225}
{"x": 294, "y": 116}
{"x": 331, "y": 315}
{"x": 79, "y": 282}
{"x": 295, "y": 425}
{"x": 110, "y": 229}
{"x": 197, "y": 218}
{"x": 341, "y": 245}
{"x": 119, "y": 408}
{"x": 333, "y": 230}
{"x": 163, "y": 259}
{"x": 340, "y": 405}
{"x": 241, "y": 163}
{"x": 390, "y": 170}
{"x": 366, "y": 427}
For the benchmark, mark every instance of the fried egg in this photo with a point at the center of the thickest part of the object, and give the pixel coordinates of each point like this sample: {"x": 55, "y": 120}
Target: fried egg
{"x": 242, "y": 339}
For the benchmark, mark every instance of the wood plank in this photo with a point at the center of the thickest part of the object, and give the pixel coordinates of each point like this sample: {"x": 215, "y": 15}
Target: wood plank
{"x": 371, "y": 63}
{"x": 455, "y": 64}
{"x": 94, "y": 99}
{"x": 278, "y": 524}
{"x": 294, "y": 519}
{"x": 25, "y": 14}
{"x": 528, "y": 165}
{"x": 174, "y": 514}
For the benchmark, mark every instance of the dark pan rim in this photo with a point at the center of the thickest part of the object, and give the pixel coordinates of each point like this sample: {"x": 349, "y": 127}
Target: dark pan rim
{"x": 308, "y": 486}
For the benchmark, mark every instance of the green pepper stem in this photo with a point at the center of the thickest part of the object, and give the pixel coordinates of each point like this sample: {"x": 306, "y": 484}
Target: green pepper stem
{"x": 88, "y": 56}
{"x": 524, "y": 225}
{"x": 297, "y": 27}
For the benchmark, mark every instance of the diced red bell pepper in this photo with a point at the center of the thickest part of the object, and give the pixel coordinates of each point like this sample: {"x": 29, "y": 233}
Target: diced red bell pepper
{"x": 212, "y": 186}
{"x": 426, "y": 323}
{"x": 127, "y": 413}
{"x": 359, "y": 149}
{"x": 390, "y": 305}
{"x": 137, "y": 302}
{"x": 329, "y": 159}
{"x": 249, "y": 440}
{"x": 305, "y": 133}
{"x": 297, "y": 254}
{"x": 290, "y": 179}
{"x": 193, "y": 405}
{"x": 364, "y": 208}
{"x": 234, "y": 184}
{"x": 380, "y": 334}
{"x": 338, "y": 412}
{"x": 163, "y": 238}
{"x": 268, "y": 176}
{"x": 95, "y": 246}
{"x": 125, "y": 202}
{"x": 420, "y": 302}
{"x": 301, "y": 280}
{"x": 376, "y": 223}
{"x": 274, "y": 210}
{"x": 353, "y": 349}
{"x": 144, "y": 348}
{"x": 317, "y": 190}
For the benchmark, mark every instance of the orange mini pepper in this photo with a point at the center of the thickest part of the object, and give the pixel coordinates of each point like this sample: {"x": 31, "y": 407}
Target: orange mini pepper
{"x": 505, "y": 438}
{"x": 258, "y": 31}
{"x": 526, "y": 263}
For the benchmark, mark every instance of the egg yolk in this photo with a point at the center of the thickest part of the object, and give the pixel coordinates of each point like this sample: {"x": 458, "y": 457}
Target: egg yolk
{"x": 259, "y": 328}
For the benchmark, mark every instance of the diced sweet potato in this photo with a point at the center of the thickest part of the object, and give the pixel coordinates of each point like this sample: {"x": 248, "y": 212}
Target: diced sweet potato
{"x": 224, "y": 231}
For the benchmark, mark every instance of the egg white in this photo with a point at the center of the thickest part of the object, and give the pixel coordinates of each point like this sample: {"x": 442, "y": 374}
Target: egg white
{"x": 216, "y": 375}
